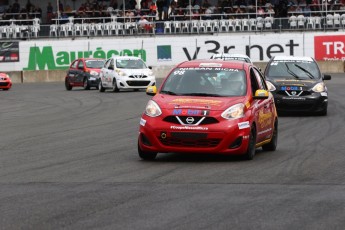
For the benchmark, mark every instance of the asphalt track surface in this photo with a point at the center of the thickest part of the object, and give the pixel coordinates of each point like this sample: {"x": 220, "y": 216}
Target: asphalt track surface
{"x": 68, "y": 160}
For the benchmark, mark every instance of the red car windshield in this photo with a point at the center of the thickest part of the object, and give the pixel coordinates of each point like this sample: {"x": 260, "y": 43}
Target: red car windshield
{"x": 94, "y": 64}
{"x": 220, "y": 82}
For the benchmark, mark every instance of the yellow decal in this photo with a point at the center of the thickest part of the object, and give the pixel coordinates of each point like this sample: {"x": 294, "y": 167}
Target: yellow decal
{"x": 247, "y": 104}
{"x": 265, "y": 119}
{"x": 195, "y": 101}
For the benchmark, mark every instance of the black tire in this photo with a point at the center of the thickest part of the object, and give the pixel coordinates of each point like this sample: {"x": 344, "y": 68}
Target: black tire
{"x": 100, "y": 87}
{"x": 86, "y": 84}
{"x": 5, "y": 89}
{"x": 67, "y": 85}
{"x": 272, "y": 145}
{"x": 149, "y": 156}
{"x": 249, "y": 155}
{"x": 115, "y": 89}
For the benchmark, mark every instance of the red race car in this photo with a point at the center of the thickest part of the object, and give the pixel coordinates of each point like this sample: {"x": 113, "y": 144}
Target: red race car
{"x": 5, "y": 81}
{"x": 84, "y": 72}
{"x": 209, "y": 106}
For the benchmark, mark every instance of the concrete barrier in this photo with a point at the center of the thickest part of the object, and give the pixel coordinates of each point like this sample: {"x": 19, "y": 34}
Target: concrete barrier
{"x": 44, "y": 76}
{"x": 160, "y": 72}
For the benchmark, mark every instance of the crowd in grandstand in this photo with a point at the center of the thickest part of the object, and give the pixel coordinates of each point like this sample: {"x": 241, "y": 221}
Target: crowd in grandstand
{"x": 172, "y": 9}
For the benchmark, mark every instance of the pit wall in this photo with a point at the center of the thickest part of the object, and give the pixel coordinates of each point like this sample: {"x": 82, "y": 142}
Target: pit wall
{"x": 28, "y": 76}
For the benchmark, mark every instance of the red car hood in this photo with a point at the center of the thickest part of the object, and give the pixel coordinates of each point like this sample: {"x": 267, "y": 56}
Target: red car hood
{"x": 211, "y": 103}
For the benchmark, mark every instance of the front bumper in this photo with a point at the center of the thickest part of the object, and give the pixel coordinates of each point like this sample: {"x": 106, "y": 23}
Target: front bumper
{"x": 222, "y": 138}
{"x": 311, "y": 103}
{"x": 5, "y": 85}
{"x": 135, "y": 83}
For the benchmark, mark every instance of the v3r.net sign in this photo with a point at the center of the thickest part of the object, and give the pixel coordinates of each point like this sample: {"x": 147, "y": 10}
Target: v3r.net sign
{"x": 329, "y": 48}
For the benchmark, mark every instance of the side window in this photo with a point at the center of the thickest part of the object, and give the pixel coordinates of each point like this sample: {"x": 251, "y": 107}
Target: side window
{"x": 260, "y": 79}
{"x": 253, "y": 81}
{"x": 106, "y": 64}
{"x": 80, "y": 64}
{"x": 111, "y": 64}
{"x": 74, "y": 64}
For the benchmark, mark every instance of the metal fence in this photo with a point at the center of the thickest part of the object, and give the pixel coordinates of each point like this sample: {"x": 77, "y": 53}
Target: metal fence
{"x": 111, "y": 26}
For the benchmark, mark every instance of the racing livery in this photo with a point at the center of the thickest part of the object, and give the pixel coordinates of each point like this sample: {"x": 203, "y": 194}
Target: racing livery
{"x": 84, "y": 72}
{"x": 125, "y": 72}
{"x": 227, "y": 56}
{"x": 209, "y": 106}
{"x": 5, "y": 81}
{"x": 297, "y": 84}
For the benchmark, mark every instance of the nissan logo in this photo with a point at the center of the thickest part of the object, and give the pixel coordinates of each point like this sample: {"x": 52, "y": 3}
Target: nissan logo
{"x": 190, "y": 120}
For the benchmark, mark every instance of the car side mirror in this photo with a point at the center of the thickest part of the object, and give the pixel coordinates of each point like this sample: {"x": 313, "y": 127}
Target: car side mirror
{"x": 81, "y": 67}
{"x": 151, "y": 90}
{"x": 261, "y": 94}
{"x": 110, "y": 67}
{"x": 150, "y": 67}
{"x": 327, "y": 77}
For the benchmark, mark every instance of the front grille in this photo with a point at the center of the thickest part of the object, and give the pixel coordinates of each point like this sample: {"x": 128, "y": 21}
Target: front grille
{"x": 190, "y": 143}
{"x": 206, "y": 121}
{"x": 304, "y": 93}
{"x": 296, "y": 107}
{"x": 137, "y": 76}
{"x": 138, "y": 83}
{"x": 3, "y": 83}
{"x": 186, "y": 135}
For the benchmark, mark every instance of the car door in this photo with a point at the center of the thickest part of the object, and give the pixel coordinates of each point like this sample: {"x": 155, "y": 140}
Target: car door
{"x": 106, "y": 72}
{"x": 264, "y": 108}
{"x": 80, "y": 71}
{"x": 110, "y": 73}
{"x": 72, "y": 71}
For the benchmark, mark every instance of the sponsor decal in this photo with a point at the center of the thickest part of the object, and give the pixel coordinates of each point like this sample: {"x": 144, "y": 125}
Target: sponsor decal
{"x": 324, "y": 94}
{"x": 292, "y": 80}
{"x": 190, "y": 112}
{"x": 264, "y": 131}
{"x": 265, "y": 119}
{"x": 195, "y": 101}
{"x": 245, "y": 137}
{"x": 44, "y": 58}
{"x": 294, "y": 98}
{"x": 329, "y": 48}
{"x": 188, "y": 127}
{"x": 142, "y": 122}
{"x": 243, "y": 125}
{"x": 284, "y": 88}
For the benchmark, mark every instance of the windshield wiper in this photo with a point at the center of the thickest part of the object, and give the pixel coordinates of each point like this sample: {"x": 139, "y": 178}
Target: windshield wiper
{"x": 304, "y": 70}
{"x": 168, "y": 92}
{"x": 202, "y": 94}
{"x": 291, "y": 72}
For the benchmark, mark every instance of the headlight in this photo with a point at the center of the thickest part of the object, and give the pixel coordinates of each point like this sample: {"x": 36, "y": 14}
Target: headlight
{"x": 270, "y": 86}
{"x": 152, "y": 109}
{"x": 234, "y": 112}
{"x": 93, "y": 73}
{"x": 319, "y": 87}
{"x": 121, "y": 73}
{"x": 150, "y": 73}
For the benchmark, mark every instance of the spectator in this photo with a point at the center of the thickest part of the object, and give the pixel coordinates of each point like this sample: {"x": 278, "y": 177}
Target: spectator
{"x": 143, "y": 24}
{"x": 160, "y": 5}
{"x": 50, "y": 12}
{"x": 15, "y": 7}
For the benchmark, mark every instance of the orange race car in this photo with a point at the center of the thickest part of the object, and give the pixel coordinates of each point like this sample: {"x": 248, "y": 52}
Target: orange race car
{"x": 5, "y": 81}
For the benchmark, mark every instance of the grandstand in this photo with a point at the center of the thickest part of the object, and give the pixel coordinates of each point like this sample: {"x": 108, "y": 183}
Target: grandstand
{"x": 23, "y": 19}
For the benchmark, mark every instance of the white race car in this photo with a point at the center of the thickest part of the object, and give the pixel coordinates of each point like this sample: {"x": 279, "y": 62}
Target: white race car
{"x": 124, "y": 72}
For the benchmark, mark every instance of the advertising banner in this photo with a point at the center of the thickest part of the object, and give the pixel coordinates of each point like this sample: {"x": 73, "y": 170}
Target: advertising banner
{"x": 330, "y": 47}
{"x": 9, "y": 52}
